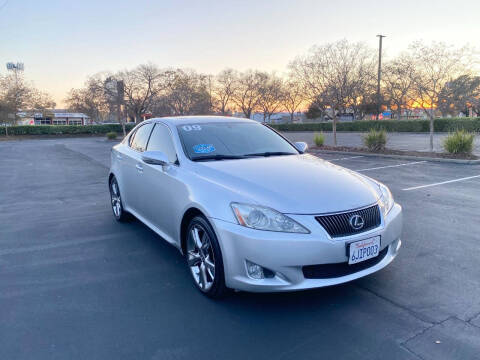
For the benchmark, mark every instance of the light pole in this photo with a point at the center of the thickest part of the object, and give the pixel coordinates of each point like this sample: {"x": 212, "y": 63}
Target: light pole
{"x": 380, "y": 37}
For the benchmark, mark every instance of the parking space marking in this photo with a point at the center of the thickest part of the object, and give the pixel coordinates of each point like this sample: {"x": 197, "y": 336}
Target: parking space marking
{"x": 441, "y": 183}
{"x": 346, "y": 158}
{"x": 393, "y": 166}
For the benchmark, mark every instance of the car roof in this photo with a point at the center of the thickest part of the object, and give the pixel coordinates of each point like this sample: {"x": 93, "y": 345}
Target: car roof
{"x": 182, "y": 120}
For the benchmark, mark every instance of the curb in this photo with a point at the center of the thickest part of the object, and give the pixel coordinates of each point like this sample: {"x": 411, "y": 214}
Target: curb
{"x": 393, "y": 156}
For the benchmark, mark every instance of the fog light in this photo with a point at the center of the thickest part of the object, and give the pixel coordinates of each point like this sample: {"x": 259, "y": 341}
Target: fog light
{"x": 258, "y": 272}
{"x": 254, "y": 271}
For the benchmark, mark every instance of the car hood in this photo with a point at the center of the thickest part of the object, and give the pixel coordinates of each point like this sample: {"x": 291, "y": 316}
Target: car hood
{"x": 293, "y": 184}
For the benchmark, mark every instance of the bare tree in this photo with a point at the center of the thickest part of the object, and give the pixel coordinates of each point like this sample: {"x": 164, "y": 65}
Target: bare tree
{"x": 398, "y": 76}
{"x": 270, "y": 94}
{"x": 293, "y": 96}
{"x": 336, "y": 72}
{"x": 247, "y": 95}
{"x": 90, "y": 99}
{"x": 209, "y": 81}
{"x": 224, "y": 90}
{"x": 317, "y": 109}
{"x": 435, "y": 65}
{"x": 460, "y": 95}
{"x": 185, "y": 92}
{"x": 141, "y": 85}
{"x": 16, "y": 94}
{"x": 362, "y": 92}
{"x": 41, "y": 100}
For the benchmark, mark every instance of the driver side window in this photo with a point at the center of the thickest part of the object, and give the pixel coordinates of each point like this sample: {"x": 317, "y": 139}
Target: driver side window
{"x": 140, "y": 138}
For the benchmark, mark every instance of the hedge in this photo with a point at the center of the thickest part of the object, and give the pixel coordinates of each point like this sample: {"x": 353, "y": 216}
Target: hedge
{"x": 63, "y": 129}
{"x": 440, "y": 125}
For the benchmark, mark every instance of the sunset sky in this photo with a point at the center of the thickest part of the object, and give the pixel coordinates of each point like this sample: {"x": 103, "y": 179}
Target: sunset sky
{"x": 62, "y": 42}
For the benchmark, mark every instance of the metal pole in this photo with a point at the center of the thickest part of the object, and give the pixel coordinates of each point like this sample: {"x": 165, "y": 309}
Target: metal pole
{"x": 380, "y": 37}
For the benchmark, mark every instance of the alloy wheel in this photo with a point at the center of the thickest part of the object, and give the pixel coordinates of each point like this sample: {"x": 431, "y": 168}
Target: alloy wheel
{"x": 200, "y": 257}
{"x": 116, "y": 199}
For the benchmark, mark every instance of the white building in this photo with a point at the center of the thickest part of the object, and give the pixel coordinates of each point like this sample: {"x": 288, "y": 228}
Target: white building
{"x": 53, "y": 117}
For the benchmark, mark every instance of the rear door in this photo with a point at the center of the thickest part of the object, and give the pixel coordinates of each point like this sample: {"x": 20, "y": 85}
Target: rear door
{"x": 133, "y": 167}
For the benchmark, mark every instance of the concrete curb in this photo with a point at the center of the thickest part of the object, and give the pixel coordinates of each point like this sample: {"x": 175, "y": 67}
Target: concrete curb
{"x": 393, "y": 156}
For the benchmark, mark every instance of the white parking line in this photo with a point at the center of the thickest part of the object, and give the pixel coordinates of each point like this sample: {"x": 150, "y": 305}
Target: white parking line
{"x": 441, "y": 183}
{"x": 346, "y": 158}
{"x": 392, "y": 166}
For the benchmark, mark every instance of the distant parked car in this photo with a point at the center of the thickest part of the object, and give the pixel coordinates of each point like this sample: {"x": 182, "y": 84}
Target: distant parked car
{"x": 248, "y": 209}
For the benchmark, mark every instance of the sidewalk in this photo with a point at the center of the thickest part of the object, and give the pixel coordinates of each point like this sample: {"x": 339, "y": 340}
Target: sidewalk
{"x": 396, "y": 141}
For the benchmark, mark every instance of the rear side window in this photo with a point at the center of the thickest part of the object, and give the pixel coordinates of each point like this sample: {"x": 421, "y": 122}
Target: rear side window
{"x": 161, "y": 140}
{"x": 140, "y": 138}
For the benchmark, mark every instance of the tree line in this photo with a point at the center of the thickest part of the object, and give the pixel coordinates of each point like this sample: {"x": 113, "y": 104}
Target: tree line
{"x": 17, "y": 94}
{"x": 175, "y": 92}
{"x": 329, "y": 80}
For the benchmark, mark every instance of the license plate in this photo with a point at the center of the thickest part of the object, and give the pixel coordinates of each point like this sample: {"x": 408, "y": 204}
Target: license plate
{"x": 363, "y": 250}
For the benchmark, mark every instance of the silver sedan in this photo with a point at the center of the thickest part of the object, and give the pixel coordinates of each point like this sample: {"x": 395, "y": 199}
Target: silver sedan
{"x": 248, "y": 209}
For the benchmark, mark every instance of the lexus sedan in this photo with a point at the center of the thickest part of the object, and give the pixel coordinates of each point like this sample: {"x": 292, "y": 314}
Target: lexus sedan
{"x": 248, "y": 209}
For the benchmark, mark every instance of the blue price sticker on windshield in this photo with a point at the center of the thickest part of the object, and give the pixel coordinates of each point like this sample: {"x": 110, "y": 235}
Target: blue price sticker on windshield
{"x": 204, "y": 148}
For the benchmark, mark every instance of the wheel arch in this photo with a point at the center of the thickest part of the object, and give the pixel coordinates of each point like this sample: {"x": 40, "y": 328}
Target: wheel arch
{"x": 188, "y": 215}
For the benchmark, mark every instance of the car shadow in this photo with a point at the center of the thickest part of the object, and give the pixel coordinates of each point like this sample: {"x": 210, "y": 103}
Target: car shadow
{"x": 309, "y": 299}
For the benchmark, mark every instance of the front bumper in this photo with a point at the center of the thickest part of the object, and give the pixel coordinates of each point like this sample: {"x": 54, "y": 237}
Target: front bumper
{"x": 285, "y": 254}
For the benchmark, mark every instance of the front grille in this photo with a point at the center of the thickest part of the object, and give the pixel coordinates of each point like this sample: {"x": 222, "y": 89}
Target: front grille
{"x": 329, "y": 271}
{"x": 338, "y": 225}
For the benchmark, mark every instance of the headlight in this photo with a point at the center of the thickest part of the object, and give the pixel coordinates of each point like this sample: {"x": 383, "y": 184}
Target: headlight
{"x": 386, "y": 201}
{"x": 263, "y": 218}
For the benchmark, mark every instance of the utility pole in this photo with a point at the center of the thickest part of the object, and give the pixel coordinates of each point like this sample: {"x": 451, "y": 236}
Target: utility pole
{"x": 380, "y": 37}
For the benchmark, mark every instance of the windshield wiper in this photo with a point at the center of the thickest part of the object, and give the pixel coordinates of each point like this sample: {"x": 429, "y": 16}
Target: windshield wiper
{"x": 217, "y": 157}
{"x": 271, "y": 153}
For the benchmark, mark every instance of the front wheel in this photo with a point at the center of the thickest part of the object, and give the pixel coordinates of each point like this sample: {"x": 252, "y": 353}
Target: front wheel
{"x": 204, "y": 258}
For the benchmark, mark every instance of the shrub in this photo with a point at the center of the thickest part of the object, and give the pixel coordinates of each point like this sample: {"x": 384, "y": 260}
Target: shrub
{"x": 375, "y": 140}
{"x": 111, "y": 135}
{"x": 319, "y": 139}
{"x": 459, "y": 142}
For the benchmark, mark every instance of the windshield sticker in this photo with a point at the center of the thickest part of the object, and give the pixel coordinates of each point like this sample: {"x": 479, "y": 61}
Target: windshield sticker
{"x": 191, "y": 127}
{"x": 203, "y": 148}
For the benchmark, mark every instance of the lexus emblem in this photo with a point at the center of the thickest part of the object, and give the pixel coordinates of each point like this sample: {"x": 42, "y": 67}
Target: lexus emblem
{"x": 356, "y": 222}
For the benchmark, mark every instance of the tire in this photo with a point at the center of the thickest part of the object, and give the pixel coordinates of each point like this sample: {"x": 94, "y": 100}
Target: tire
{"x": 116, "y": 202}
{"x": 203, "y": 250}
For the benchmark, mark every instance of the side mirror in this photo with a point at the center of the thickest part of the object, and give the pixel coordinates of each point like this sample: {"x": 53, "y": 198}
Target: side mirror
{"x": 155, "y": 158}
{"x": 301, "y": 146}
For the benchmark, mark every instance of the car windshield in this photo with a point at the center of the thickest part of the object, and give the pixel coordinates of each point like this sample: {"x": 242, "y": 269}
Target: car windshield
{"x": 231, "y": 140}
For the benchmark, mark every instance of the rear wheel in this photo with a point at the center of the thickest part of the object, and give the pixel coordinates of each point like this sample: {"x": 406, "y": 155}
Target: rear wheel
{"x": 116, "y": 200}
{"x": 204, "y": 258}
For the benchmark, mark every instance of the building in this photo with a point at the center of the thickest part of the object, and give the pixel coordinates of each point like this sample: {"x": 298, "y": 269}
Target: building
{"x": 53, "y": 117}
{"x": 279, "y": 117}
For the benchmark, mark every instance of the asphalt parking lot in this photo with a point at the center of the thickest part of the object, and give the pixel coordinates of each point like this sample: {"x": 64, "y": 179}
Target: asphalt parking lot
{"x": 75, "y": 284}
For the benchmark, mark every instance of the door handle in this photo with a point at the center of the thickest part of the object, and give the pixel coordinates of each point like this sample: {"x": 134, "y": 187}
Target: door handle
{"x": 119, "y": 157}
{"x": 139, "y": 167}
